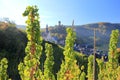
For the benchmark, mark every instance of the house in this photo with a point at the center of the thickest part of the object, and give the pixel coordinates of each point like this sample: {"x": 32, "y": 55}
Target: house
{"x": 47, "y": 36}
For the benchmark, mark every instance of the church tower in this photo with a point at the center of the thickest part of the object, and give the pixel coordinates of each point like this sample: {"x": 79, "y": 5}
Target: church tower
{"x": 47, "y": 29}
{"x": 73, "y": 25}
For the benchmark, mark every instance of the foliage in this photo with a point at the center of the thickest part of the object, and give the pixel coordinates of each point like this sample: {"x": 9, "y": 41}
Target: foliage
{"x": 102, "y": 68}
{"x": 29, "y": 69}
{"x": 14, "y": 52}
{"x": 12, "y": 46}
{"x": 113, "y": 57}
{"x": 90, "y": 68}
{"x": 49, "y": 62}
{"x": 112, "y": 64}
{"x": 3, "y": 69}
{"x": 83, "y": 74}
{"x": 69, "y": 69}
{"x": 109, "y": 70}
{"x": 82, "y": 60}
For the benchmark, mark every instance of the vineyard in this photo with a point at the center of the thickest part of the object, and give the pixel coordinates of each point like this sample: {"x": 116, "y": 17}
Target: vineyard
{"x": 70, "y": 65}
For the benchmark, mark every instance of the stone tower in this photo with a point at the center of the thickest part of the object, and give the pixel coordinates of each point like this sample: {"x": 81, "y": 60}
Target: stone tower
{"x": 59, "y": 23}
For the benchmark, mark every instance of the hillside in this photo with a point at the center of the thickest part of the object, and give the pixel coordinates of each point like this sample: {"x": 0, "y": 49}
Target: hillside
{"x": 21, "y": 26}
{"x": 85, "y": 33}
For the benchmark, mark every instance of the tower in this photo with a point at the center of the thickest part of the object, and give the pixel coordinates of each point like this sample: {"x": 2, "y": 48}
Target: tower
{"x": 47, "y": 29}
{"x": 59, "y": 23}
{"x": 73, "y": 25}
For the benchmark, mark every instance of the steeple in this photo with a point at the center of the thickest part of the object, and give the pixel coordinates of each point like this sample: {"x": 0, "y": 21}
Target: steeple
{"x": 73, "y": 25}
{"x": 47, "y": 29}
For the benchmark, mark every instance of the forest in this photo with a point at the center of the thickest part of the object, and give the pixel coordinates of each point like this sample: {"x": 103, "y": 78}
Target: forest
{"x": 26, "y": 56}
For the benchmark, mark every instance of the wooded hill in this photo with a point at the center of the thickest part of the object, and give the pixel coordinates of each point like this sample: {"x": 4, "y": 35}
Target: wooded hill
{"x": 85, "y": 33}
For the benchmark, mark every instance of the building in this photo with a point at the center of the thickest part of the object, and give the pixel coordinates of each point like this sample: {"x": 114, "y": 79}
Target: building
{"x": 47, "y": 36}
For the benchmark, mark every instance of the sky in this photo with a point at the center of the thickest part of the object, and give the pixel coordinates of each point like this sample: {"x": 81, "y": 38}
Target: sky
{"x": 52, "y": 11}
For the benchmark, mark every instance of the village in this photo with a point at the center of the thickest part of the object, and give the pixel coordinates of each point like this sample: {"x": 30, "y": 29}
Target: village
{"x": 81, "y": 48}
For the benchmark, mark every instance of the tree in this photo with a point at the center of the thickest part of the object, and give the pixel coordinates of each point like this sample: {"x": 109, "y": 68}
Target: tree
{"x": 29, "y": 69}
{"x": 49, "y": 62}
{"x": 69, "y": 69}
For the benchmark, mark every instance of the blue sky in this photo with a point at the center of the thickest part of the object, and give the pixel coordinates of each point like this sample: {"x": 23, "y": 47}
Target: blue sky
{"x": 51, "y": 11}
